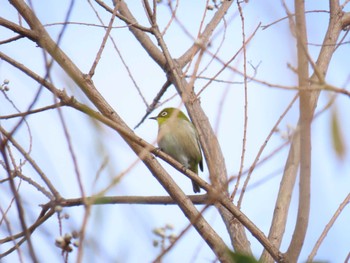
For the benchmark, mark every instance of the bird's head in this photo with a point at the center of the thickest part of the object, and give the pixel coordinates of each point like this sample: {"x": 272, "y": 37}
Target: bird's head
{"x": 169, "y": 113}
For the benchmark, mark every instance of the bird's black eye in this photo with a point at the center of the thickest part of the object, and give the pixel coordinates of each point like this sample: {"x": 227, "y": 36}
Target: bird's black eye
{"x": 163, "y": 114}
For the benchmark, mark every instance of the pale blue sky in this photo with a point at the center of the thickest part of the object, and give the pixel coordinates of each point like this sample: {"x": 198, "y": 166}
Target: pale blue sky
{"x": 124, "y": 232}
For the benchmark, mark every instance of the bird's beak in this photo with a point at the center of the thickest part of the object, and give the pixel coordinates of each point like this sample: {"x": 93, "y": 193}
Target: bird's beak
{"x": 153, "y": 118}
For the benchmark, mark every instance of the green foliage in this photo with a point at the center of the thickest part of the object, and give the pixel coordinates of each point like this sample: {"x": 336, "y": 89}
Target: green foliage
{"x": 337, "y": 135}
{"x": 241, "y": 258}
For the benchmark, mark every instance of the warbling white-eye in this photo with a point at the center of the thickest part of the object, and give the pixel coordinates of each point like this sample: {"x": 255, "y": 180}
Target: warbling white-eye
{"x": 178, "y": 137}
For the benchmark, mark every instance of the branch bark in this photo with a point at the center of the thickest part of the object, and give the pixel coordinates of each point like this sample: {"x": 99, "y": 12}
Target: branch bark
{"x": 287, "y": 183}
{"x": 22, "y": 31}
{"x": 214, "y": 197}
{"x": 210, "y": 145}
{"x": 86, "y": 85}
{"x": 306, "y": 114}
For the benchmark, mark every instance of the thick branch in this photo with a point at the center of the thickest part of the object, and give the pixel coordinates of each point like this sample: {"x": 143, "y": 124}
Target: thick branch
{"x": 210, "y": 145}
{"x": 86, "y": 85}
{"x": 141, "y": 36}
{"x": 346, "y": 20}
{"x": 134, "y": 200}
{"x": 306, "y": 114}
{"x": 287, "y": 183}
{"x": 18, "y": 29}
{"x": 219, "y": 198}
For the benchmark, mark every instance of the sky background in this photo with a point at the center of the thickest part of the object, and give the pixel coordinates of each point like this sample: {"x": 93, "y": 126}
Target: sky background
{"x": 123, "y": 233}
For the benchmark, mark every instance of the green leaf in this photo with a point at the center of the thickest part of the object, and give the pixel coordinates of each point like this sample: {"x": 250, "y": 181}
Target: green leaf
{"x": 337, "y": 135}
{"x": 241, "y": 258}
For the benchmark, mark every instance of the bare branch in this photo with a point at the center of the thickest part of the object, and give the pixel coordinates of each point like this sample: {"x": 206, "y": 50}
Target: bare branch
{"x": 142, "y": 37}
{"x": 244, "y": 49}
{"x": 286, "y": 17}
{"x": 140, "y": 200}
{"x": 328, "y": 227}
{"x": 174, "y": 242}
{"x": 306, "y": 115}
{"x": 44, "y": 215}
{"x": 83, "y": 24}
{"x": 210, "y": 146}
{"x": 130, "y": 23}
{"x": 23, "y": 32}
{"x": 202, "y": 226}
{"x": 273, "y": 130}
{"x": 346, "y": 21}
{"x": 121, "y": 56}
{"x": 9, "y": 40}
{"x": 284, "y": 196}
{"x": 151, "y": 107}
{"x": 206, "y": 34}
{"x": 183, "y": 73}
{"x": 53, "y": 190}
{"x": 23, "y": 114}
{"x": 103, "y": 44}
{"x": 19, "y": 207}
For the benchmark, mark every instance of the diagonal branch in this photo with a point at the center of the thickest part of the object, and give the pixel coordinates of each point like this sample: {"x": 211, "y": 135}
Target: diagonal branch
{"x": 141, "y": 36}
{"x": 23, "y": 114}
{"x": 286, "y": 187}
{"x": 154, "y": 103}
{"x": 18, "y": 202}
{"x": 345, "y": 202}
{"x": 103, "y": 44}
{"x": 306, "y": 114}
{"x": 45, "y": 41}
{"x": 209, "y": 142}
{"x": 55, "y": 193}
{"x": 207, "y": 33}
{"x": 22, "y": 31}
{"x": 230, "y": 209}
{"x": 130, "y": 23}
{"x": 44, "y": 215}
{"x": 140, "y": 200}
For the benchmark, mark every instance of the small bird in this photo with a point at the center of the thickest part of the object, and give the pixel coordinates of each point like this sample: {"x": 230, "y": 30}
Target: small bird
{"x": 178, "y": 137}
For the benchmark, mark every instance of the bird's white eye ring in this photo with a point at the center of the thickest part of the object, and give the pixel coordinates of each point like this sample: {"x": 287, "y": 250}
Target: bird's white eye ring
{"x": 163, "y": 114}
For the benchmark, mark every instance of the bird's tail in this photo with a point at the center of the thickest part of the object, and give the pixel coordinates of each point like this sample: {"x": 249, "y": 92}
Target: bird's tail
{"x": 195, "y": 186}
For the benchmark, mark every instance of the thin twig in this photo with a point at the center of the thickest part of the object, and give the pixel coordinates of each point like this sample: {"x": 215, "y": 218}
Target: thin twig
{"x": 22, "y": 31}
{"x": 217, "y": 50}
{"x": 44, "y": 215}
{"x": 153, "y": 105}
{"x": 123, "y": 18}
{"x": 82, "y": 232}
{"x": 121, "y": 57}
{"x": 173, "y": 15}
{"x": 245, "y": 125}
{"x": 103, "y": 44}
{"x": 22, "y": 114}
{"x": 178, "y": 237}
{"x": 35, "y": 184}
{"x": 12, "y": 39}
{"x": 226, "y": 64}
{"x": 273, "y": 130}
{"x": 327, "y": 228}
{"x": 19, "y": 206}
{"x": 26, "y": 124}
{"x": 286, "y": 17}
{"x": 8, "y": 225}
{"x": 84, "y": 24}
{"x": 42, "y": 175}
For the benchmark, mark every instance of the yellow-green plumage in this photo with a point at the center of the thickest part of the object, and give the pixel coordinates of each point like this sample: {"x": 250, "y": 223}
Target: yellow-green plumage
{"x": 178, "y": 137}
